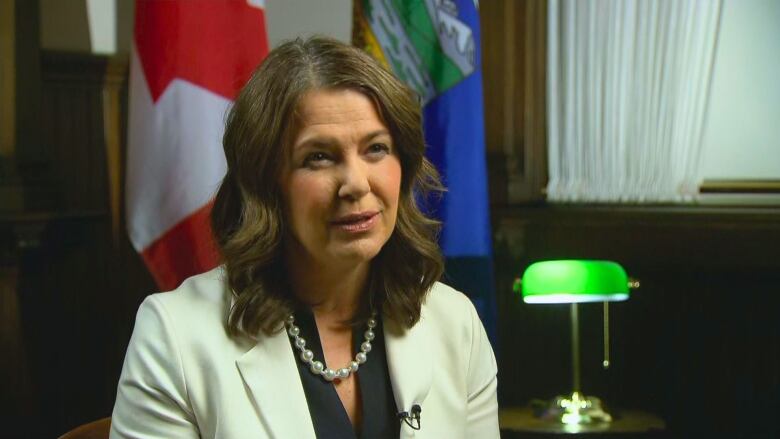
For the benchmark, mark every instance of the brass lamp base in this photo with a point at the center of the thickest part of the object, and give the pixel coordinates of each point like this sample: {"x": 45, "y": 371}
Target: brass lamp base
{"x": 578, "y": 409}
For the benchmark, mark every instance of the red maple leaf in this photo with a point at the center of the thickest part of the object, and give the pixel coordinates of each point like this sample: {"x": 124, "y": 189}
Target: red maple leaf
{"x": 213, "y": 44}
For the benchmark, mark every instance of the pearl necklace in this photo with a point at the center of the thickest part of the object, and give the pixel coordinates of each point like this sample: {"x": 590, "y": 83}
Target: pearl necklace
{"x": 317, "y": 367}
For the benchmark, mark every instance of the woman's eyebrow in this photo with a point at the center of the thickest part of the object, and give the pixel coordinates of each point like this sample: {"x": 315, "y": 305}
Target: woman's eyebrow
{"x": 317, "y": 141}
{"x": 374, "y": 134}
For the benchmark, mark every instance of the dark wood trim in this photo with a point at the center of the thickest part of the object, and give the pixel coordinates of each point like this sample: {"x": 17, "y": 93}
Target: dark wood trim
{"x": 75, "y": 68}
{"x": 674, "y": 238}
{"x": 740, "y": 186}
{"x": 650, "y": 213}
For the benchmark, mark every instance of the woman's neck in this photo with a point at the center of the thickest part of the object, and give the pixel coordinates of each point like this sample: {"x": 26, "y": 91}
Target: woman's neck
{"x": 332, "y": 293}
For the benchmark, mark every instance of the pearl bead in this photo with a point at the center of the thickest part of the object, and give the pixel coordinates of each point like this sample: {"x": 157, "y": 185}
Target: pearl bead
{"x": 317, "y": 367}
{"x": 329, "y": 374}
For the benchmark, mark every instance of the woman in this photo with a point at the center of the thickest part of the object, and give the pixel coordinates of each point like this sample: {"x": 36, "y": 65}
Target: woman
{"x": 326, "y": 318}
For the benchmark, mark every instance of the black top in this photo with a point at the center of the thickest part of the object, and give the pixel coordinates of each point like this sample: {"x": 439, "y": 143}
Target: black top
{"x": 376, "y": 393}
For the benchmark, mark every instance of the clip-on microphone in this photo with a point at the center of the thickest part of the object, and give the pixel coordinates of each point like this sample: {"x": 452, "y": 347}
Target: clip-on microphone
{"x": 412, "y": 419}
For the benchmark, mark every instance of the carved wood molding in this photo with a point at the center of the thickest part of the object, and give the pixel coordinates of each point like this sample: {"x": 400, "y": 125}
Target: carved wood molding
{"x": 114, "y": 85}
{"x": 93, "y": 85}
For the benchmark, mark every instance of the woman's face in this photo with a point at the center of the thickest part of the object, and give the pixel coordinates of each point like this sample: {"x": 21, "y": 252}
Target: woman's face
{"x": 341, "y": 181}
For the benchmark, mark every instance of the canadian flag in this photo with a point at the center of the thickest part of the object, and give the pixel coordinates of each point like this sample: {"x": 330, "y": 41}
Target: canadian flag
{"x": 190, "y": 58}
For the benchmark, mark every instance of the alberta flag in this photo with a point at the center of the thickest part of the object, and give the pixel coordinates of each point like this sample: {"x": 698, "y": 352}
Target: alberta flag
{"x": 434, "y": 46}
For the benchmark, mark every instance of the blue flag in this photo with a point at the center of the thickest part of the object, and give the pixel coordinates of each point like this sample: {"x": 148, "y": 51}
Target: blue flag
{"x": 434, "y": 46}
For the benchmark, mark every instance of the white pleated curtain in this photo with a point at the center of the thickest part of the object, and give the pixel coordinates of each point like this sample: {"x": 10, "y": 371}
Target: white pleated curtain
{"x": 628, "y": 86}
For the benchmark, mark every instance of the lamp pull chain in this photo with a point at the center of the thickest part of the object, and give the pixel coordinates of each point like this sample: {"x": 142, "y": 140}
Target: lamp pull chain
{"x": 575, "y": 347}
{"x": 606, "y": 362}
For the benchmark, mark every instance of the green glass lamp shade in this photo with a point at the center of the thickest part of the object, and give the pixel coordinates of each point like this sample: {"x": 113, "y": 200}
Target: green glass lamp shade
{"x": 574, "y": 281}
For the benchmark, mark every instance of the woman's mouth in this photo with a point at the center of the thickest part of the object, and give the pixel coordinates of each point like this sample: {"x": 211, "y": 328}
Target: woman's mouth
{"x": 356, "y": 223}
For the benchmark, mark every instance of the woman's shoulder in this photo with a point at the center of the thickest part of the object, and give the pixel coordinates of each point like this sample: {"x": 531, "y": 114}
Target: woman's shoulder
{"x": 442, "y": 294}
{"x": 446, "y": 304}
{"x": 202, "y": 291}
{"x": 200, "y": 304}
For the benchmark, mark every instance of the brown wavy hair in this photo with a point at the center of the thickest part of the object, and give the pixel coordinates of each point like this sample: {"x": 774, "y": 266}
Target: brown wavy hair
{"x": 247, "y": 217}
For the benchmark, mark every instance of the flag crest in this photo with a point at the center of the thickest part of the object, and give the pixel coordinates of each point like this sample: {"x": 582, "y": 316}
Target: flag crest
{"x": 425, "y": 43}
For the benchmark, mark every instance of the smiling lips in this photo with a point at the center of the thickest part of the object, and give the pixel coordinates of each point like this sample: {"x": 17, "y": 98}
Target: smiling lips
{"x": 356, "y": 223}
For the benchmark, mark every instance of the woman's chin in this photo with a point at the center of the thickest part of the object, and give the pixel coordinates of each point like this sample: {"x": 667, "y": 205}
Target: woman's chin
{"x": 354, "y": 253}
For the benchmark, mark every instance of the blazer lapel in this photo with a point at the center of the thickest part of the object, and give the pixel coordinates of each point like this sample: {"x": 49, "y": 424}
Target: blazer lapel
{"x": 409, "y": 363}
{"x": 271, "y": 374}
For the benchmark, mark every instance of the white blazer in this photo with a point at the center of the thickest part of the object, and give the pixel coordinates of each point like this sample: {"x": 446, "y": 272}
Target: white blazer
{"x": 184, "y": 377}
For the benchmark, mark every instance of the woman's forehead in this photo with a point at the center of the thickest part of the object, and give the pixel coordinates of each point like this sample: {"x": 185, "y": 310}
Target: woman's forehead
{"x": 335, "y": 111}
{"x": 323, "y": 107}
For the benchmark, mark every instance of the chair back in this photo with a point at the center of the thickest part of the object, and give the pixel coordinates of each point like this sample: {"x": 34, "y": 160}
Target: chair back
{"x": 94, "y": 430}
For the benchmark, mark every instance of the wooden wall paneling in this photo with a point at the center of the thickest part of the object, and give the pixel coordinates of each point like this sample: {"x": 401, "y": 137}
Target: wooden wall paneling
{"x": 11, "y": 195}
{"x": 74, "y": 128}
{"x": 23, "y": 172}
{"x": 54, "y": 323}
{"x": 78, "y": 281}
{"x": 27, "y": 81}
{"x": 63, "y": 279}
{"x": 534, "y": 103}
{"x": 492, "y": 27}
{"x": 66, "y": 324}
{"x": 93, "y": 146}
{"x": 514, "y": 60}
{"x": 30, "y": 153}
{"x": 16, "y": 399}
{"x": 70, "y": 282}
{"x": 7, "y": 78}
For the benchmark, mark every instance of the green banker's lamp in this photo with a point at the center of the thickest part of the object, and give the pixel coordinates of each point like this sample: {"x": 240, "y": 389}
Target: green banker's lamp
{"x": 574, "y": 282}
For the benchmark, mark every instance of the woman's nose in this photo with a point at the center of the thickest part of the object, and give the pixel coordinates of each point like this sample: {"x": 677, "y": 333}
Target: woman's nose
{"x": 354, "y": 180}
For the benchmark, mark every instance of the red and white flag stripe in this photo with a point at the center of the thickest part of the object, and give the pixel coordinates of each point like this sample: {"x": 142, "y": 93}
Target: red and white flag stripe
{"x": 190, "y": 58}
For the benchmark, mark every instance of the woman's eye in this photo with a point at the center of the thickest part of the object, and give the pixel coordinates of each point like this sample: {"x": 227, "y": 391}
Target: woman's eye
{"x": 378, "y": 148}
{"x": 316, "y": 159}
